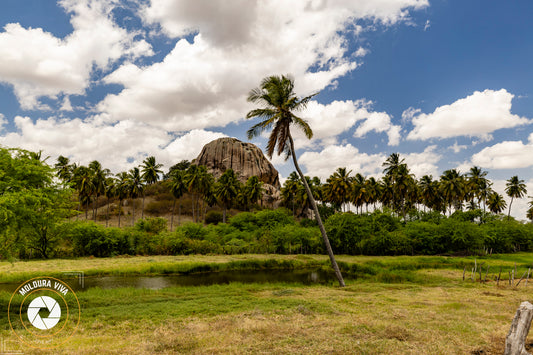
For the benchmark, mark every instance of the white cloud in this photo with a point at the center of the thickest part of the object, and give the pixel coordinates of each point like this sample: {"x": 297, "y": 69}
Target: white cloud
{"x": 477, "y": 115}
{"x": 457, "y": 148}
{"x": 118, "y": 147}
{"x": 37, "y": 64}
{"x": 505, "y": 155}
{"x": 204, "y": 81}
{"x": 378, "y": 122}
{"x": 3, "y": 122}
{"x": 361, "y": 52}
{"x": 424, "y": 163}
{"x": 325, "y": 162}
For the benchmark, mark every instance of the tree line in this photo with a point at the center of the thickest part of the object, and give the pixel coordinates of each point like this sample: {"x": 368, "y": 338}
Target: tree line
{"x": 400, "y": 191}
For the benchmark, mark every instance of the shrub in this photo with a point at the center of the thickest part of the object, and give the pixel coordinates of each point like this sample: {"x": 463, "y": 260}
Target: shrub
{"x": 346, "y": 231}
{"x": 159, "y": 207}
{"x": 151, "y": 225}
{"x": 213, "y": 217}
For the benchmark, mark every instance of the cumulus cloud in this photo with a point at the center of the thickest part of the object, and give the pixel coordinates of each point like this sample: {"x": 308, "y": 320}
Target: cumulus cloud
{"x": 505, "y": 155}
{"x": 477, "y": 115}
{"x": 38, "y": 64}
{"x": 520, "y": 205}
{"x": 378, "y": 122}
{"x": 230, "y": 47}
{"x": 325, "y": 162}
{"x": 328, "y": 121}
{"x": 118, "y": 147}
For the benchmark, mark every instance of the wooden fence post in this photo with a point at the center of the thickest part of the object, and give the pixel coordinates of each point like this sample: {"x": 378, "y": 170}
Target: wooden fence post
{"x": 516, "y": 339}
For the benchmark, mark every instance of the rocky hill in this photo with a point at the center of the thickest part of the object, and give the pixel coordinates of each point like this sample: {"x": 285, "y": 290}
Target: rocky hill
{"x": 245, "y": 159}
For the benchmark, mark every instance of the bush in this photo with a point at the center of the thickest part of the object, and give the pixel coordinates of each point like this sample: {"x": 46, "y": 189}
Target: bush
{"x": 159, "y": 207}
{"x": 213, "y": 217}
{"x": 151, "y": 225}
{"x": 346, "y": 232}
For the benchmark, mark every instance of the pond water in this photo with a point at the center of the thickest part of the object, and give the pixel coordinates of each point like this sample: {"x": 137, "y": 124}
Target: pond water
{"x": 306, "y": 277}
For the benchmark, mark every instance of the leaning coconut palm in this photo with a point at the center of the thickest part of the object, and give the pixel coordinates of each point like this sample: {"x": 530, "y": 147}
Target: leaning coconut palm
{"x": 278, "y": 104}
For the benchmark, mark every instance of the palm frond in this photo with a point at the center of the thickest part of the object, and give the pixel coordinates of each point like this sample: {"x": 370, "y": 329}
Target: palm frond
{"x": 303, "y": 125}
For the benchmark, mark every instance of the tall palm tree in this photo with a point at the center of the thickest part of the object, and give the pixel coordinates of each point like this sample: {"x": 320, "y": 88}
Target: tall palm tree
{"x": 122, "y": 190}
{"x": 83, "y": 183}
{"x": 178, "y": 189}
{"x": 452, "y": 187}
{"x": 109, "y": 192}
{"x": 150, "y": 174}
{"x": 496, "y": 203}
{"x": 515, "y": 188}
{"x": 99, "y": 176}
{"x": 135, "y": 188}
{"x": 278, "y": 104}
{"x": 476, "y": 182}
{"x": 289, "y": 192}
{"x": 340, "y": 186}
{"x": 63, "y": 169}
{"x": 198, "y": 181}
{"x": 253, "y": 189}
{"x": 226, "y": 190}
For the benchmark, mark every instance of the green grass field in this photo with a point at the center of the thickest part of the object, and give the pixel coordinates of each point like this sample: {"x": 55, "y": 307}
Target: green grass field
{"x": 422, "y": 307}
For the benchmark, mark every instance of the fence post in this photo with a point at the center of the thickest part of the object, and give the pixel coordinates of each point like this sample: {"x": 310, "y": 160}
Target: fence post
{"x": 516, "y": 339}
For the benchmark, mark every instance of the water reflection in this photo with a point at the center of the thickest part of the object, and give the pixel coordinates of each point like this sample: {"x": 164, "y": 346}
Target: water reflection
{"x": 199, "y": 279}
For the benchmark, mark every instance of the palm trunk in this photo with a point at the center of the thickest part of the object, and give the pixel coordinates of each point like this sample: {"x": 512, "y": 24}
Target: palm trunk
{"x": 107, "y": 214}
{"x": 317, "y": 216}
{"x": 142, "y": 210}
{"x": 172, "y": 216}
{"x": 133, "y": 214}
{"x": 119, "y": 211}
{"x": 510, "y": 204}
{"x": 179, "y": 214}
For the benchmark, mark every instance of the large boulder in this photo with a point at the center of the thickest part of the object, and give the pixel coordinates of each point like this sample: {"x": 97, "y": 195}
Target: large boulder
{"x": 245, "y": 159}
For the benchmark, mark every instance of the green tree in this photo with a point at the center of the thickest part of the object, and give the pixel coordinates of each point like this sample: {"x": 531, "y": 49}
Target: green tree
{"x": 150, "y": 174}
{"x": 496, "y": 203}
{"x": 122, "y": 190}
{"x": 135, "y": 188}
{"x": 279, "y": 104}
{"x": 339, "y": 187}
{"x": 226, "y": 190}
{"x": 515, "y": 188}
{"x": 31, "y": 205}
{"x": 198, "y": 181}
{"x": 178, "y": 188}
{"x": 253, "y": 189}
{"x": 98, "y": 176}
{"x": 110, "y": 191}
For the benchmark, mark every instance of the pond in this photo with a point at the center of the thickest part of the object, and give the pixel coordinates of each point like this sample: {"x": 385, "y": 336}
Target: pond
{"x": 306, "y": 277}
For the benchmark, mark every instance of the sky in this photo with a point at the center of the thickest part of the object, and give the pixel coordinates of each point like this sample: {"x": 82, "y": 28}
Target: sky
{"x": 445, "y": 83}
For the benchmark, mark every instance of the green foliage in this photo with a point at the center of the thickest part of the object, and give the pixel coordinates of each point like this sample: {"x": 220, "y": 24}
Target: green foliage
{"x": 213, "y": 217}
{"x": 151, "y": 225}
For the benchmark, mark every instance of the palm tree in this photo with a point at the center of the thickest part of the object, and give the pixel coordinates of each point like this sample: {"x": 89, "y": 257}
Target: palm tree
{"x": 279, "y": 102}
{"x": 198, "y": 181}
{"x": 83, "y": 183}
{"x": 135, "y": 188}
{"x": 452, "y": 187}
{"x": 109, "y": 192}
{"x": 64, "y": 169}
{"x": 150, "y": 174}
{"x": 226, "y": 190}
{"x": 122, "y": 191}
{"x": 289, "y": 191}
{"x": 496, "y": 203}
{"x": 340, "y": 187}
{"x": 253, "y": 189}
{"x": 178, "y": 189}
{"x": 515, "y": 188}
{"x": 99, "y": 176}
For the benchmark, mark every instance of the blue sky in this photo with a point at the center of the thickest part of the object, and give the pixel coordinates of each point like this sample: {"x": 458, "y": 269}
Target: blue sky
{"x": 447, "y": 84}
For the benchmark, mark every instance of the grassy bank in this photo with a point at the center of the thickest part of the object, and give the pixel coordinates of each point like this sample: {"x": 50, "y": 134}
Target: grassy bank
{"x": 430, "y": 311}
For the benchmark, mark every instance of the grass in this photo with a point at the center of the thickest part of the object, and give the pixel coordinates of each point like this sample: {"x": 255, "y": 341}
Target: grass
{"x": 428, "y": 311}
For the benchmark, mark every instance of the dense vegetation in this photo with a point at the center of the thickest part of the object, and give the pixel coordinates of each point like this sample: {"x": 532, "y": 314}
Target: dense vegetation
{"x": 40, "y": 208}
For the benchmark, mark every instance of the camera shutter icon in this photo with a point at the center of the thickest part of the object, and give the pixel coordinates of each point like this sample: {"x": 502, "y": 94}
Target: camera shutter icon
{"x": 51, "y": 305}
